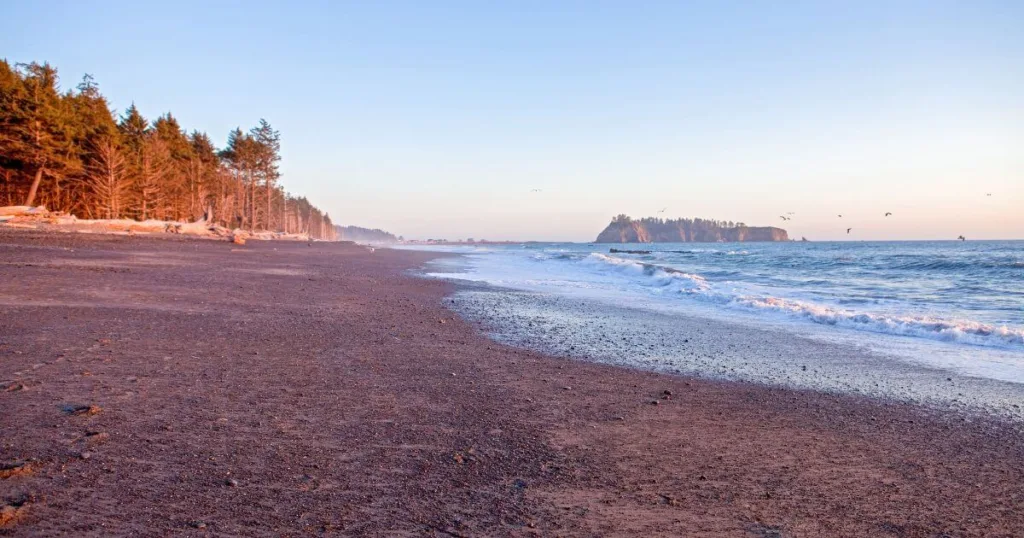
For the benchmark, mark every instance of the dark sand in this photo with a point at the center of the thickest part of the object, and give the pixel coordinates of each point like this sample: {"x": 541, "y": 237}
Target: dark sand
{"x": 285, "y": 389}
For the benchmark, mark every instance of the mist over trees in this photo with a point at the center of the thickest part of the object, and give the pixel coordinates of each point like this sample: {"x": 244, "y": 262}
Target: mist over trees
{"x": 68, "y": 151}
{"x": 365, "y": 235}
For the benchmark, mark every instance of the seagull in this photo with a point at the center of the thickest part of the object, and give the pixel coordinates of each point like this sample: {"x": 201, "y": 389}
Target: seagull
{"x": 962, "y": 238}
{"x": 783, "y": 218}
{"x": 662, "y": 210}
{"x": 790, "y": 213}
{"x": 887, "y": 214}
{"x": 840, "y": 216}
{"x": 988, "y": 194}
{"x": 536, "y": 190}
{"x": 848, "y": 231}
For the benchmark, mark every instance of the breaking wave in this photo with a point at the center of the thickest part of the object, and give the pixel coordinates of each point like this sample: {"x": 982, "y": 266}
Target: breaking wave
{"x": 695, "y": 286}
{"x": 660, "y": 276}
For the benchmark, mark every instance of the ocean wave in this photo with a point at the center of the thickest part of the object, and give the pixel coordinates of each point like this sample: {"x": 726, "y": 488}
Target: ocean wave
{"x": 915, "y": 262}
{"x": 696, "y": 286}
{"x": 966, "y": 331}
{"x": 659, "y": 275}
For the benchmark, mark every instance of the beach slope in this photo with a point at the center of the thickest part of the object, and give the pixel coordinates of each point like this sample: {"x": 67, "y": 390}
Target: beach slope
{"x": 181, "y": 387}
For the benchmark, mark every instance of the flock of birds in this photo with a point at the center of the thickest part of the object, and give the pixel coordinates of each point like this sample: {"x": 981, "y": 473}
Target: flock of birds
{"x": 848, "y": 230}
{"x": 789, "y": 216}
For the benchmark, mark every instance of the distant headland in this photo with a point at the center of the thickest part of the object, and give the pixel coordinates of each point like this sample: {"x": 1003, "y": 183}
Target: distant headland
{"x": 365, "y": 235}
{"x": 623, "y": 229}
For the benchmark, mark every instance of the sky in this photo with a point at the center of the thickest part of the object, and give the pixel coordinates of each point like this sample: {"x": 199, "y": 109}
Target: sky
{"x": 439, "y": 119}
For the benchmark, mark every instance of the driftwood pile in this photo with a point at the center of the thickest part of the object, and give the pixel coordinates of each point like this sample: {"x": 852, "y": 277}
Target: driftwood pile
{"x": 40, "y": 218}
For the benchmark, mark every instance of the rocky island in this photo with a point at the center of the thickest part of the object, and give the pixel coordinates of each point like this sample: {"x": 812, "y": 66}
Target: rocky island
{"x": 624, "y": 229}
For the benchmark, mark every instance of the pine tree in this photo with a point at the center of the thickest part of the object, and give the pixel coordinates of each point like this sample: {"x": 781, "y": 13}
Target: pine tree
{"x": 133, "y": 128}
{"x": 267, "y": 155}
{"x": 33, "y": 132}
{"x": 203, "y": 173}
{"x": 107, "y": 177}
{"x": 241, "y": 154}
{"x": 90, "y": 125}
{"x": 150, "y": 185}
{"x": 106, "y": 166}
{"x": 175, "y": 185}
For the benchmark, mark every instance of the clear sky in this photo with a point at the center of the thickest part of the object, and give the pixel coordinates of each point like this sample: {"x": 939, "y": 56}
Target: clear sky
{"x": 437, "y": 119}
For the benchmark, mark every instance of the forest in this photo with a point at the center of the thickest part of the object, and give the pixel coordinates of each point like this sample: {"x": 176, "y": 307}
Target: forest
{"x": 624, "y": 229}
{"x": 68, "y": 151}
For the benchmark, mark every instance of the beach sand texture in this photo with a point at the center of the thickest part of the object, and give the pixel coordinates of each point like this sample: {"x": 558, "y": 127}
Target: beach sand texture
{"x": 161, "y": 387}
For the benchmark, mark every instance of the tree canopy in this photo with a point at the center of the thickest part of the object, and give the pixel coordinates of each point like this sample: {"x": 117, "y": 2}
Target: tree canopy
{"x": 68, "y": 151}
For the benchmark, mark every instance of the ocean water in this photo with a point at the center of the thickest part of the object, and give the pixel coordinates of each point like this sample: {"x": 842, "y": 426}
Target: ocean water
{"x": 957, "y": 306}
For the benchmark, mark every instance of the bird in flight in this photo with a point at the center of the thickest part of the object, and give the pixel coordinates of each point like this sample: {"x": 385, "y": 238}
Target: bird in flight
{"x": 791, "y": 213}
{"x": 848, "y": 231}
{"x": 783, "y": 218}
{"x": 662, "y": 210}
{"x": 840, "y": 216}
{"x": 536, "y": 190}
{"x": 988, "y": 194}
{"x": 887, "y": 214}
{"x": 962, "y": 238}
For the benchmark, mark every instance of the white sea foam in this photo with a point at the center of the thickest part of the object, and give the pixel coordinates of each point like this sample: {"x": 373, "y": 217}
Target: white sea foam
{"x": 696, "y": 286}
{"x": 655, "y": 275}
{"x": 953, "y": 307}
{"x": 966, "y": 331}
{"x": 626, "y": 277}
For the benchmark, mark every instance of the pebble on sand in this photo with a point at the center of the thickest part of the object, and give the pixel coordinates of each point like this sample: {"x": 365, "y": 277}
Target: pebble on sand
{"x": 82, "y": 409}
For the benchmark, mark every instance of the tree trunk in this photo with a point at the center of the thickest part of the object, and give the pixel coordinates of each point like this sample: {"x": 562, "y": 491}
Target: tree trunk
{"x": 35, "y": 187}
{"x": 57, "y": 205}
{"x": 252, "y": 203}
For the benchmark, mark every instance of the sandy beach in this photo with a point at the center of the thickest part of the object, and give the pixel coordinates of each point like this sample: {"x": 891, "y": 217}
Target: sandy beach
{"x": 177, "y": 387}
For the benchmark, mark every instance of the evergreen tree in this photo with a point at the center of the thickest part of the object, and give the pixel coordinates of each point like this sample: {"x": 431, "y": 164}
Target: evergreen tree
{"x": 241, "y": 154}
{"x": 108, "y": 177}
{"x": 267, "y": 155}
{"x": 203, "y": 175}
{"x": 111, "y": 167}
{"x": 155, "y": 165}
{"x": 33, "y": 122}
{"x": 133, "y": 128}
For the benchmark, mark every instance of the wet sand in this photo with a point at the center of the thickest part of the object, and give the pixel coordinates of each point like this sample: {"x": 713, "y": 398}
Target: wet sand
{"x": 161, "y": 387}
{"x": 633, "y": 336}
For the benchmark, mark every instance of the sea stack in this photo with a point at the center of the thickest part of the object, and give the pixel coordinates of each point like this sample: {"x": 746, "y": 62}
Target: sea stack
{"x": 624, "y": 229}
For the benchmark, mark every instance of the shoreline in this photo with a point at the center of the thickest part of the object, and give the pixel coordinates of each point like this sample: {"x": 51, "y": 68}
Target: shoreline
{"x": 771, "y": 357}
{"x": 695, "y": 338}
{"x": 322, "y": 389}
